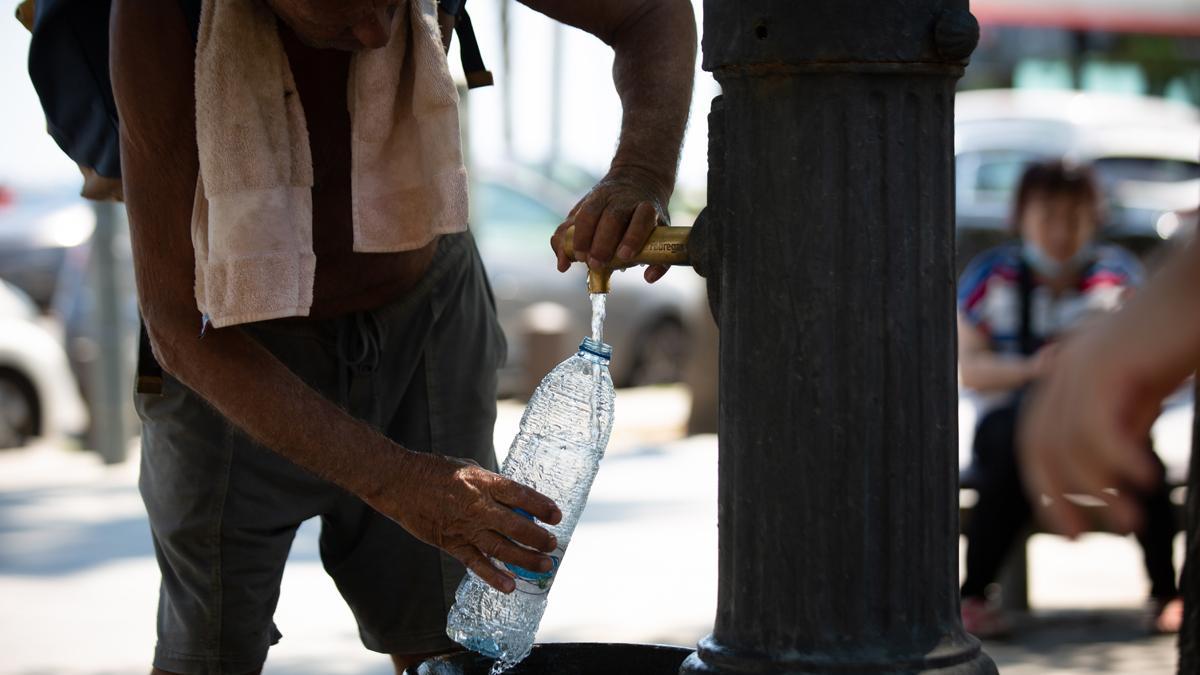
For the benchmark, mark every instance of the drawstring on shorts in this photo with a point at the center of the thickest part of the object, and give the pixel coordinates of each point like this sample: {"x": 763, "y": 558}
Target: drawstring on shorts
{"x": 359, "y": 351}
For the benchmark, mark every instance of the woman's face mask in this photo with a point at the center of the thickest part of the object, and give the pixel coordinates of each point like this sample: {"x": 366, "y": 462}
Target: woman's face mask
{"x": 1057, "y": 233}
{"x": 1051, "y": 268}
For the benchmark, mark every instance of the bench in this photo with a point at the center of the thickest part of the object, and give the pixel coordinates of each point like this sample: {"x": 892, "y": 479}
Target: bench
{"x": 1013, "y": 579}
{"x": 1172, "y": 435}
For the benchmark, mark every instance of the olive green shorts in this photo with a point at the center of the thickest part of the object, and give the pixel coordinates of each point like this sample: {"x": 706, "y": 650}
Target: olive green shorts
{"x": 224, "y": 510}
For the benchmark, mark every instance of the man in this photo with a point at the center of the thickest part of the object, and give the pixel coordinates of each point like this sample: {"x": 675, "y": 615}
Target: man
{"x": 377, "y": 409}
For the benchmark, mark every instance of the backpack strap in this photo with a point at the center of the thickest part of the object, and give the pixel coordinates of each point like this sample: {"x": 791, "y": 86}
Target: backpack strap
{"x": 468, "y": 46}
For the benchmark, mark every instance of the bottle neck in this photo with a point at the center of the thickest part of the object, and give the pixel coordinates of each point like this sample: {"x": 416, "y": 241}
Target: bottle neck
{"x": 595, "y": 351}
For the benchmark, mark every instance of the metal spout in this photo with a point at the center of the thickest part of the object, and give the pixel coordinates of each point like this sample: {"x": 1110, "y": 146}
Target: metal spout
{"x": 665, "y": 246}
{"x": 599, "y": 282}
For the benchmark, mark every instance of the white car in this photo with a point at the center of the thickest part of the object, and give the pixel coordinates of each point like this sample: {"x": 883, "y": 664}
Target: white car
{"x": 38, "y": 394}
{"x": 1143, "y": 150}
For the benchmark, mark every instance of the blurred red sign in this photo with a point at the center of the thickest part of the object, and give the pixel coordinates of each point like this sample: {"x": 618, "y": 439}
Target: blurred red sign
{"x": 1169, "y": 17}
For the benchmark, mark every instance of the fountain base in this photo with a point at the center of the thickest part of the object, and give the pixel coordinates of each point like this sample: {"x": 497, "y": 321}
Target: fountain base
{"x": 570, "y": 658}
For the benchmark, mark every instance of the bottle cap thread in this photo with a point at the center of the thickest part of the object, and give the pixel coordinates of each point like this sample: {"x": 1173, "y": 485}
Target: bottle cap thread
{"x": 596, "y": 348}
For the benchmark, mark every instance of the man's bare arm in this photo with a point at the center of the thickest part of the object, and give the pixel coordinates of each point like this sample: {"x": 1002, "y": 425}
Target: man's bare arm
{"x": 654, "y": 71}
{"x": 458, "y": 507}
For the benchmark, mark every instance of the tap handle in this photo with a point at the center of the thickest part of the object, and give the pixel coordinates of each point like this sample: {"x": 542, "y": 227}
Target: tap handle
{"x": 665, "y": 246}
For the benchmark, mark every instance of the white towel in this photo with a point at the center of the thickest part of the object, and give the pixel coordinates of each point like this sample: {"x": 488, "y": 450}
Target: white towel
{"x": 252, "y": 220}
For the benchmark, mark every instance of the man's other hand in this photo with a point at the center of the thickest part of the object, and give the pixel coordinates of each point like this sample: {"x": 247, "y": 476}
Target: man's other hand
{"x": 467, "y": 511}
{"x": 613, "y": 221}
{"x": 1084, "y": 430}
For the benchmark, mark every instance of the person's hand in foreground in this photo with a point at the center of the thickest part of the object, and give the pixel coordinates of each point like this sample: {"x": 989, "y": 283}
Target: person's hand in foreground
{"x": 1084, "y": 430}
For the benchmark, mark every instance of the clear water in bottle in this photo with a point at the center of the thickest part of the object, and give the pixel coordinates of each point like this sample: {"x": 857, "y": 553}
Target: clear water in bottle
{"x": 557, "y": 452}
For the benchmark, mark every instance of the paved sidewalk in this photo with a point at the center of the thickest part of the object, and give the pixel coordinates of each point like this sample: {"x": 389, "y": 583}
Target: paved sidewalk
{"x": 78, "y": 581}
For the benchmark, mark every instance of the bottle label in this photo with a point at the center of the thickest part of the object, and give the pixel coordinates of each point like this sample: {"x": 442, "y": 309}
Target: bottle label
{"x": 530, "y": 582}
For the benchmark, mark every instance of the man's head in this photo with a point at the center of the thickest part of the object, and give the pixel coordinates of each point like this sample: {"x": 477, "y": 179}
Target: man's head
{"x": 339, "y": 24}
{"x": 1057, "y": 209}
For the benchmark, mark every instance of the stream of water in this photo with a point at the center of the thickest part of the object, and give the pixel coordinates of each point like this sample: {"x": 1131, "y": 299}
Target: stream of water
{"x": 599, "y": 311}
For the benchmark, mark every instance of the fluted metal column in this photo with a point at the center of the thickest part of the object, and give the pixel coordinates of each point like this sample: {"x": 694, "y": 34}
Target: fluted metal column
{"x": 832, "y": 205}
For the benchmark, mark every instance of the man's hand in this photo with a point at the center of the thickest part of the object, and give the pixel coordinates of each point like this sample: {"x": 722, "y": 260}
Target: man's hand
{"x": 1084, "y": 430}
{"x": 467, "y": 511}
{"x": 614, "y": 220}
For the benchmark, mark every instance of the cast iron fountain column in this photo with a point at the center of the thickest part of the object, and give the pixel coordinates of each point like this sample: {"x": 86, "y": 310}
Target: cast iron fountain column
{"x": 832, "y": 208}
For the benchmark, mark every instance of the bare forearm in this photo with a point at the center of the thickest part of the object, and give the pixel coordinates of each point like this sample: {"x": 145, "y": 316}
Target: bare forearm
{"x": 260, "y": 395}
{"x": 654, "y": 69}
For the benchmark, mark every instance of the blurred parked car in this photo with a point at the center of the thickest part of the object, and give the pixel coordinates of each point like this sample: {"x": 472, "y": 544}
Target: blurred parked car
{"x": 514, "y": 212}
{"x": 38, "y": 395}
{"x": 37, "y": 228}
{"x": 1144, "y": 152}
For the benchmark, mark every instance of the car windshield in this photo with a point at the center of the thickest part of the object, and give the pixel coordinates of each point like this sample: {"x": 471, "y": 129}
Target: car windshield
{"x": 991, "y": 176}
{"x": 508, "y": 220}
{"x": 1145, "y": 169}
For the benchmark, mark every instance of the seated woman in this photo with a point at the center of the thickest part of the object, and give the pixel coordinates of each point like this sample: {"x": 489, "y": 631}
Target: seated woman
{"x": 1014, "y": 302}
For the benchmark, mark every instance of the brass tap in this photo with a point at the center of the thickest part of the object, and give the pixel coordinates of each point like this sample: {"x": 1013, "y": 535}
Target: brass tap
{"x": 665, "y": 246}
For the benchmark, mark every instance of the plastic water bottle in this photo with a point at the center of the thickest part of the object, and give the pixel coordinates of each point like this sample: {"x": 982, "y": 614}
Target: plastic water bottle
{"x": 557, "y": 452}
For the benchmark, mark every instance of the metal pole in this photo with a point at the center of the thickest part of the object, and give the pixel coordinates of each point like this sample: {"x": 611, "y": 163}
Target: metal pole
{"x": 110, "y": 381}
{"x": 506, "y": 104}
{"x": 833, "y": 217}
